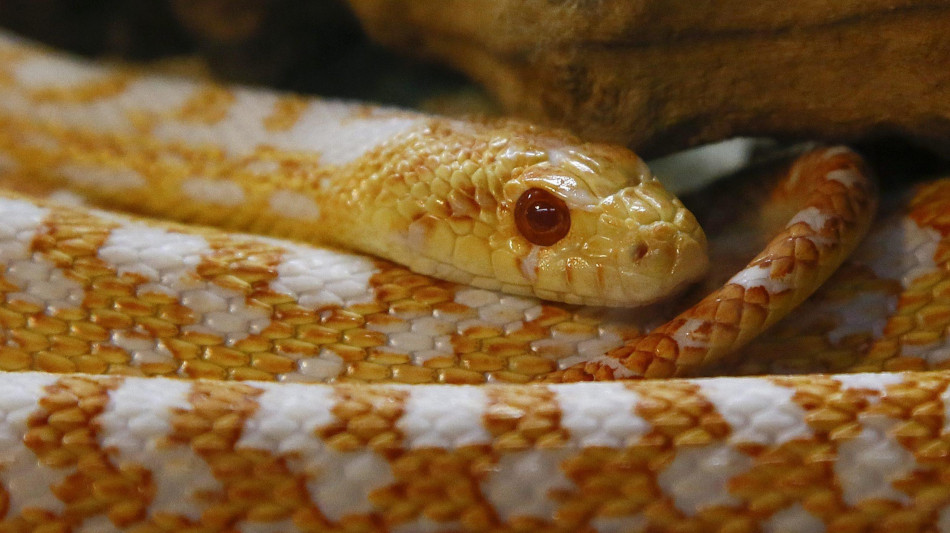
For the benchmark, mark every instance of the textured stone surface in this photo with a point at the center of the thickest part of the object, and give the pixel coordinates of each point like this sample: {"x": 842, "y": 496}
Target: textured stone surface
{"x": 659, "y": 75}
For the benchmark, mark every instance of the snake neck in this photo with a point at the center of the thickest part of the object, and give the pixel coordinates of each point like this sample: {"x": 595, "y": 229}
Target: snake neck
{"x": 439, "y": 195}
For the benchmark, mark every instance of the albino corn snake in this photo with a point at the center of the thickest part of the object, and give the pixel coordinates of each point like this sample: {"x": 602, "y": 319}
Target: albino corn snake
{"x": 89, "y": 292}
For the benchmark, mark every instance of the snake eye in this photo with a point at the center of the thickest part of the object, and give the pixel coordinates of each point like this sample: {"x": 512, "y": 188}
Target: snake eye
{"x": 542, "y": 217}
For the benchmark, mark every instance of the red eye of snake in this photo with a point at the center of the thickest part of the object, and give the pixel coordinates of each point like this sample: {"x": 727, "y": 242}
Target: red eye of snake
{"x": 542, "y": 217}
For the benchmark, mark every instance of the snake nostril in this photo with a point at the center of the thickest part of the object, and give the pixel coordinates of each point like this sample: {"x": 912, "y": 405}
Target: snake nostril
{"x": 638, "y": 252}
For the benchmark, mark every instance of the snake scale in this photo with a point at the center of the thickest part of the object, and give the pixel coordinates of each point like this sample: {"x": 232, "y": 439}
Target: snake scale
{"x": 173, "y": 376}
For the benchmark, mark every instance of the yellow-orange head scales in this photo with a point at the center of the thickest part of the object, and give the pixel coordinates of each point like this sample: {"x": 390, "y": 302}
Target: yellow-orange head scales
{"x": 502, "y": 205}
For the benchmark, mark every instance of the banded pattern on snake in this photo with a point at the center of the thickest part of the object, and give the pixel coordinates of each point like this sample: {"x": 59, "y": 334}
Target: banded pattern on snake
{"x": 378, "y": 444}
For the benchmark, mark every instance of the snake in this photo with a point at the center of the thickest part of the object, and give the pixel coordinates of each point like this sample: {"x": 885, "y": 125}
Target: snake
{"x": 232, "y": 309}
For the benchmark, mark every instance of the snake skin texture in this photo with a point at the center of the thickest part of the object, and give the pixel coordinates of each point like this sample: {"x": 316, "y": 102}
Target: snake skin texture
{"x": 496, "y": 204}
{"x": 173, "y": 377}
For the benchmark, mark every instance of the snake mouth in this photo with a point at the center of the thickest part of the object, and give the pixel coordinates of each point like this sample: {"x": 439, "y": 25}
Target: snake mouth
{"x": 640, "y": 267}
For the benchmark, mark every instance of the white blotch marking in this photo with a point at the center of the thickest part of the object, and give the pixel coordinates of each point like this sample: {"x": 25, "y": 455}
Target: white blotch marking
{"x": 442, "y": 350}
{"x": 26, "y": 480}
{"x": 570, "y": 347}
{"x": 685, "y": 335}
{"x": 759, "y": 276}
{"x": 899, "y": 249}
{"x": 410, "y": 342}
{"x": 326, "y": 366}
{"x": 877, "y": 382}
{"x": 521, "y": 483}
{"x": 168, "y": 261}
{"x": 66, "y": 197}
{"x": 836, "y": 151}
{"x": 105, "y": 115}
{"x": 43, "y": 284}
{"x": 865, "y": 312}
{"x": 341, "y": 482}
{"x": 614, "y": 364}
{"x": 757, "y": 410}
{"x": 475, "y": 298}
{"x": 813, "y": 217}
{"x": 444, "y": 416}
{"x": 868, "y": 464}
{"x": 40, "y": 282}
{"x": 847, "y": 177}
{"x": 262, "y": 166}
{"x": 135, "y": 426}
{"x": 112, "y": 179}
{"x": 329, "y": 128}
{"x": 18, "y": 226}
{"x": 339, "y": 132}
{"x": 600, "y": 414}
{"x": 43, "y": 71}
{"x": 699, "y": 477}
{"x": 430, "y": 327}
{"x": 215, "y": 192}
{"x": 350, "y": 136}
{"x": 508, "y": 310}
{"x": 793, "y": 519}
{"x": 606, "y": 339}
{"x": 285, "y": 424}
{"x": 294, "y": 205}
{"x": 318, "y": 277}
{"x": 142, "y": 347}
{"x": 588, "y": 349}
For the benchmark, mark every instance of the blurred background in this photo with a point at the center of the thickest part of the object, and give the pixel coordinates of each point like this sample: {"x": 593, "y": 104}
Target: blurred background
{"x": 313, "y": 47}
{"x": 320, "y": 47}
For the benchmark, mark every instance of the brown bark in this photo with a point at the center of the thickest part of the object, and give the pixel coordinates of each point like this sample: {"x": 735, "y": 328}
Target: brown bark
{"x": 659, "y": 75}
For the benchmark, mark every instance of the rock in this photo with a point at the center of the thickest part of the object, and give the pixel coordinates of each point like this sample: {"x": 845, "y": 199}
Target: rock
{"x": 661, "y": 75}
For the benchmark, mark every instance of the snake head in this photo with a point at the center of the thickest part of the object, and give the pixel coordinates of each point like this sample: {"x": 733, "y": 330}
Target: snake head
{"x": 591, "y": 225}
{"x": 542, "y": 214}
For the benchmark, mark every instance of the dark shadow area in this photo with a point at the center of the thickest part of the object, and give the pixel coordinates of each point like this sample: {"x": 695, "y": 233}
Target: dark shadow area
{"x": 308, "y": 47}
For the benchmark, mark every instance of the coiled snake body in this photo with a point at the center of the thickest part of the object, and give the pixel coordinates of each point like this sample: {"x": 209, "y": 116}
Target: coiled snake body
{"x": 403, "y": 402}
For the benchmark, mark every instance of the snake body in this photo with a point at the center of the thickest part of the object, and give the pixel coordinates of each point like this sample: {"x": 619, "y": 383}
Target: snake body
{"x": 398, "y": 401}
{"x": 533, "y": 213}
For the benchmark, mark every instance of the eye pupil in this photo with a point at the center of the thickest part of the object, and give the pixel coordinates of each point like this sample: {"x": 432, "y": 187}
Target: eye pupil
{"x": 542, "y": 217}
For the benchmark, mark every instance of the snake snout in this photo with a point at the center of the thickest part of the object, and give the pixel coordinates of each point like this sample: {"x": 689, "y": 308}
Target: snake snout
{"x": 638, "y": 251}
{"x": 654, "y": 244}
